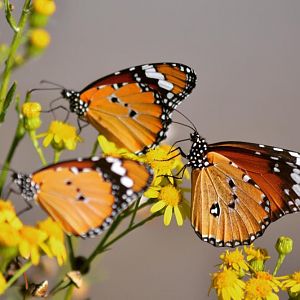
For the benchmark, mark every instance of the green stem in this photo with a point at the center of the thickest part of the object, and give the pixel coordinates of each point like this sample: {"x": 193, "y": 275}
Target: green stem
{"x": 56, "y": 156}
{"x": 102, "y": 246}
{"x": 69, "y": 292}
{"x": 19, "y": 134}
{"x": 11, "y": 21}
{"x": 71, "y": 251}
{"x": 37, "y": 147}
{"x": 12, "y": 51}
{"x": 95, "y": 147}
{"x": 131, "y": 229}
{"x": 18, "y": 273}
{"x": 279, "y": 262}
{"x": 134, "y": 212}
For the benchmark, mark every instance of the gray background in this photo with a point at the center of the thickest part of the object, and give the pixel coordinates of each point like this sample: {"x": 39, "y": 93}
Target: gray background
{"x": 246, "y": 55}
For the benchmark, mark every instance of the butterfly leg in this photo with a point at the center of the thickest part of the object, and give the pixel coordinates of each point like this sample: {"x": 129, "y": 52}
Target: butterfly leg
{"x": 28, "y": 207}
{"x": 80, "y": 126}
{"x": 177, "y": 143}
{"x": 180, "y": 152}
{"x": 52, "y": 110}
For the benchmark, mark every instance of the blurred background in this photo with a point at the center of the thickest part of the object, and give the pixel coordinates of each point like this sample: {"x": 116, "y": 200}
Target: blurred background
{"x": 246, "y": 56}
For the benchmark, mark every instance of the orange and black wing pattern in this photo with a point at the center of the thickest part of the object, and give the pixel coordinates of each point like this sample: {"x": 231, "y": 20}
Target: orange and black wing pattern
{"x": 133, "y": 107}
{"x": 228, "y": 208}
{"x": 275, "y": 170}
{"x": 238, "y": 189}
{"x": 86, "y": 195}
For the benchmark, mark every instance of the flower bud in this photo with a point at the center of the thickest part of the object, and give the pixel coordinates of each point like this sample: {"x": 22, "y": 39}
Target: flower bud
{"x": 31, "y": 112}
{"x": 39, "y": 40}
{"x": 258, "y": 265}
{"x": 284, "y": 245}
{"x": 44, "y": 7}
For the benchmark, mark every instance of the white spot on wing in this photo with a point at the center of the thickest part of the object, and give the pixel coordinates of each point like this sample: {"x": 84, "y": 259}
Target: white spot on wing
{"x": 277, "y": 149}
{"x": 154, "y": 75}
{"x": 74, "y": 170}
{"x": 165, "y": 85}
{"x": 118, "y": 169}
{"x": 126, "y": 181}
{"x": 295, "y": 177}
{"x": 296, "y": 189}
{"x": 294, "y": 154}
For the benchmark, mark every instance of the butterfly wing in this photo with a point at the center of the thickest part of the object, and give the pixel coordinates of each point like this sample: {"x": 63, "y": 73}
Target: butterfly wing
{"x": 228, "y": 208}
{"x": 127, "y": 115}
{"x": 276, "y": 171}
{"x": 133, "y": 107}
{"x": 85, "y": 196}
{"x": 173, "y": 81}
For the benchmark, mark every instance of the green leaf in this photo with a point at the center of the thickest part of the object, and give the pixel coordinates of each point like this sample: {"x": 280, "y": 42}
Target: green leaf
{"x": 7, "y": 101}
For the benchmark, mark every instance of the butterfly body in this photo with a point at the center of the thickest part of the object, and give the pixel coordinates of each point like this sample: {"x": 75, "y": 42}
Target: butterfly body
{"x": 133, "y": 107}
{"x": 85, "y": 196}
{"x": 238, "y": 189}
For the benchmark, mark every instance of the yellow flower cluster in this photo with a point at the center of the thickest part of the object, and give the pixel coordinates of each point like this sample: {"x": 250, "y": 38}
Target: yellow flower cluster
{"x": 165, "y": 187}
{"x": 17, "y": 239}
{"x": 242, "y": 276}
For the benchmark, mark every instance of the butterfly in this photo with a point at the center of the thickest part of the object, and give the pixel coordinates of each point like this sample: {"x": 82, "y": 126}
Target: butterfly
{"x": 85, "y": 195}
{"x": 239, "y": 188}
{"x": 133, "y": 107}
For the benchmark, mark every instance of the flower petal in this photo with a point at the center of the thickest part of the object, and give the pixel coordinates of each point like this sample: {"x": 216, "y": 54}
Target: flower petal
{"x": 168, "y": 215}
{"x": 157, "y": 206}
{"x": 178, "y": 216}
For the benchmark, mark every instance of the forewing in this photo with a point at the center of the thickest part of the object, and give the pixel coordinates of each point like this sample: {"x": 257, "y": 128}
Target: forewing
{"x": 130, "y": 116}
{"x": 275, "y": 170}
{"x": 173, "y": 81}
{"x": 85, "y": 196}
{"x": 228, "y": 208}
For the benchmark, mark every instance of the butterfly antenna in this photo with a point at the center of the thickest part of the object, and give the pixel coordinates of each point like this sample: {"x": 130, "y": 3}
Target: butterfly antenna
{"x": 53, "y": 83}
{"x": 185, "y": 125}
{"x": 43, "y": 89}
{"x": 194, "y": 127}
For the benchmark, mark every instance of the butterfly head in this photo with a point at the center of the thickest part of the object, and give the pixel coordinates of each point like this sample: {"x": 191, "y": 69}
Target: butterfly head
{"x": 27, "y": 186}
{"x": 77, "y": 105}
{"x": 197, "y": 156}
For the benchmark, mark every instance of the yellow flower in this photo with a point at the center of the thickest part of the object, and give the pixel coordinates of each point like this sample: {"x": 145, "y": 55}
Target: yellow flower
{"x": 55, "y": 239}
{"x": 227, "y": 285}
{"x": 162, "y": 161}
{"x": 31, "y": 112}
{"x": 261, "y": 288}
{"x": 292, "y": 284}
{"x": 32, "y": 240}
{"x": 2, "y": 284}
{"x": 234, "y": 260}
{"x": 31, "y": 109}
{"x": 109, "y": 148}
{"x": 256, "y": 257}
{"x": 8, "y": 215}
{"x": 44, "y": 7}
{"x": 61, "y": 136}
{"x": 170, "y": 199}
{"x": 256, "y": 253}
{"x": 39, "y": 38}
{"x": 275, "y": 283}
{"x": 9, "y": 235}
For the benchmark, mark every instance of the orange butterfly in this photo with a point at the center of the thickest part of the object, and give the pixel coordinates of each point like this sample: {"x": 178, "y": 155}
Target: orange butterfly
{"x": 239, "y": 188}
{"x": 85, "y": 195}
{"x": 133, "y": 107}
